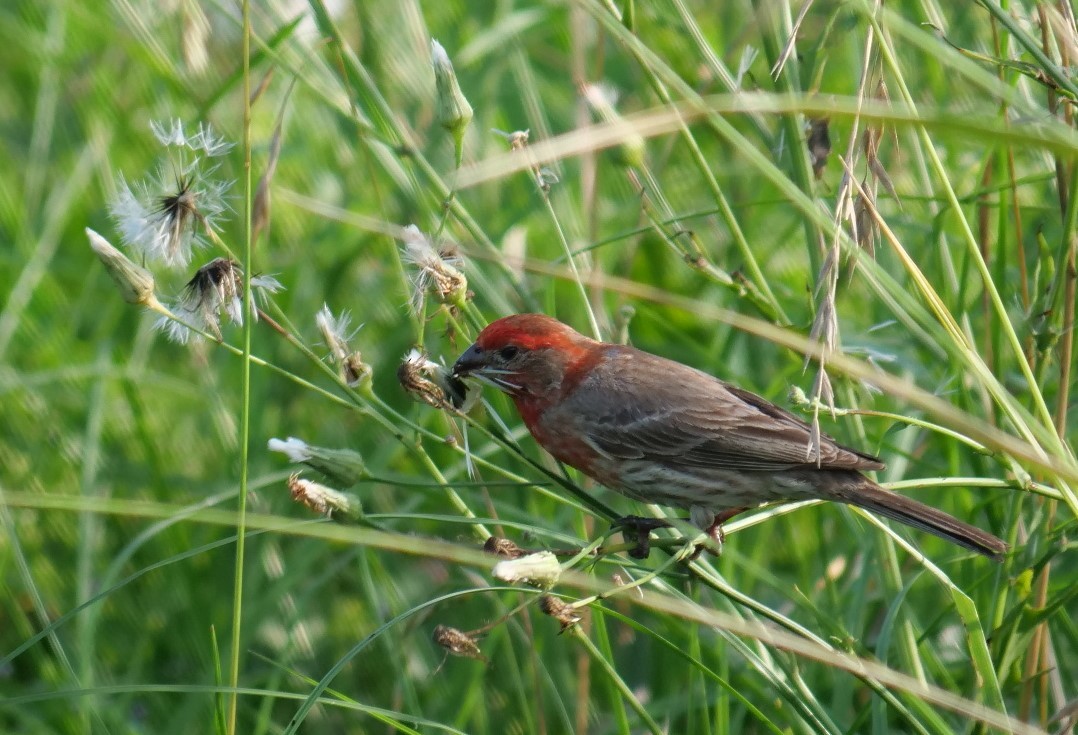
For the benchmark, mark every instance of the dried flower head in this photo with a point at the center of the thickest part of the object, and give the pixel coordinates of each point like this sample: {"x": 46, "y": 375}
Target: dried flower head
{"x": 335, "y": 331}
{"x": 164, "y": 217}
{"x": 434, "y": 384}
{"x": 343, "y": 507}
{"x": 215, "y": 289}
{"x": 437, "y": 270}
{"x": 556, "y": 608}
{"x": 503, "y": 547}
{"x": 343, "y": 467}
{"x": 518, "y": 139}
{"x": 456, "y": 642}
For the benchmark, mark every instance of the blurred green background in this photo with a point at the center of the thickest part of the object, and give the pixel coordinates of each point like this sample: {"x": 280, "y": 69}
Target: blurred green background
{"x": 701, "y": 234}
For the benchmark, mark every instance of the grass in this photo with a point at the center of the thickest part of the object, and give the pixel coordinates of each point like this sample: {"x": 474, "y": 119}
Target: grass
{"x": 146, "y": 590}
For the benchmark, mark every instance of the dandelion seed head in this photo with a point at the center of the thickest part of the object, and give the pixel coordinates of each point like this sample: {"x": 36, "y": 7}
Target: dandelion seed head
{"x": 215, "y": 289}
{"x": 436, "y": 271}
{"x": 335, "y": 331}
{"x": 435, "y": 384}
{"x": 162, "y": 219}
{"x": 423, "y": 378}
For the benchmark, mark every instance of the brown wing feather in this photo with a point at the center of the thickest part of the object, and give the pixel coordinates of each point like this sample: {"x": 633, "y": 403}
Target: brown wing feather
{"x": 690, "y": 417}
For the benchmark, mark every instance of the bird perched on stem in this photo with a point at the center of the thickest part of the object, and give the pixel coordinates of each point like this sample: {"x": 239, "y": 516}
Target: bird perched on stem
{"x": 662, "y": 432}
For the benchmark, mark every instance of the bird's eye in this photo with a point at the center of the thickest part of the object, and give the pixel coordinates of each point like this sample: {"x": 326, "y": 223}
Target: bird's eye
{"x": 508, "y": 352}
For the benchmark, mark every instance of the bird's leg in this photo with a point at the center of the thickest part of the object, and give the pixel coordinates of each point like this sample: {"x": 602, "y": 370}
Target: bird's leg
{"x": 643, "y": 528}
{"x": 715, "y": 529}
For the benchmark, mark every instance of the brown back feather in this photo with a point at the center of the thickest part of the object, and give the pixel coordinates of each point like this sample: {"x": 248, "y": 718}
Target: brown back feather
{"x": 670, "y": 411}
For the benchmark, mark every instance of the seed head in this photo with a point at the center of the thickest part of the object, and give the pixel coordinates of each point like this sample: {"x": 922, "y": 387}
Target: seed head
{"x": 436, "y": 271}
{"x": 215, "y": 289}
{"x": 342, "y": 507}
{"x": 434, "y": 384}
{"x": 335, "y": 332}
{"x": 556, "y": 608}
{"x": 164, "y": 218}
{"x": 456, "y": 642}
{"x": 503, "y": 547}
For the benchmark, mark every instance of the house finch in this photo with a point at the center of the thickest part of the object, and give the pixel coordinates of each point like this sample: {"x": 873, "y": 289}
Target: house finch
{"x": 662, "y": 432}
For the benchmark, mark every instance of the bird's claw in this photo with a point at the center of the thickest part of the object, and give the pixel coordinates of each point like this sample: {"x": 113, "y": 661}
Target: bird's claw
{"x": 643, "y": 528}
{"x": 712, "y": 546}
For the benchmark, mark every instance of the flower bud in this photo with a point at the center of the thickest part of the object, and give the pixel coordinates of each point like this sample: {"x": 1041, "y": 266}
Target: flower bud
{"x": 538, "y": 570}
{"x": 341, "y": 466}
{"x": 341, "y": 507}
{"x": 454, "y": 112}
{"x": 136, "y": 284}
{"x": 336, "y": 334}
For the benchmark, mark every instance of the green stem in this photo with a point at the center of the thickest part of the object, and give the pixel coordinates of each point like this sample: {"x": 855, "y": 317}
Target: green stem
{"x": 572, "y": 266}
{"x": 616, "y": 679}
{"x": 245, "y": 372}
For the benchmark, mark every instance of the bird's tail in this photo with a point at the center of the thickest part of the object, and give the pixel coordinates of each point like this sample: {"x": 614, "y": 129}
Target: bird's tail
{"x": 870, "y": 496}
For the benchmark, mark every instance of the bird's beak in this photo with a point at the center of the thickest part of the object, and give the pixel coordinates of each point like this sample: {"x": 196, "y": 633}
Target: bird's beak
{"x": 472, "y": 359}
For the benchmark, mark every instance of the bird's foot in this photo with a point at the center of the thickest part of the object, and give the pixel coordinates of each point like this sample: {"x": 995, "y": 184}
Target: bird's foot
{"x": 714, "y": 530}
{"x": 643, "y": 528}
{"x": 712, "y": 546}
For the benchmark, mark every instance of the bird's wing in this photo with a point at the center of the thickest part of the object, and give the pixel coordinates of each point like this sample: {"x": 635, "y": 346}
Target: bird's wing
{"x": 640, "y": 406}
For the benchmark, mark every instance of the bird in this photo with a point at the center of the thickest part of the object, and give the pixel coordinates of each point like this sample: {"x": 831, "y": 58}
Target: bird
{"x": 660, "y": 431}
